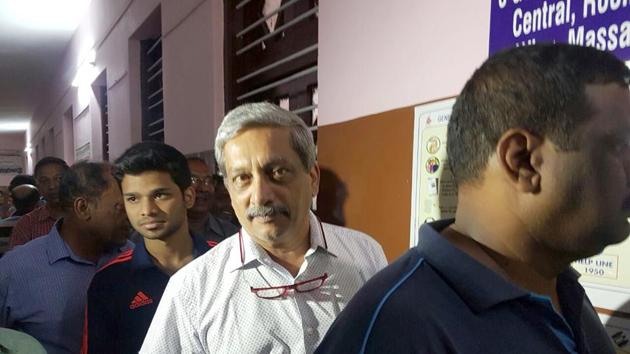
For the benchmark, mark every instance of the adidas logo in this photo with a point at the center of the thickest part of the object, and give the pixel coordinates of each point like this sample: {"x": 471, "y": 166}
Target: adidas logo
{"x": 212, "y": 243}
{"x": 141, "y": 299}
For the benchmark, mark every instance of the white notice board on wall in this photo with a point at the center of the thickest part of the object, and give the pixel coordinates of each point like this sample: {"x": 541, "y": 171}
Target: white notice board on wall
{"x": 433, "y": 189}
{"x": 11, "y": 161}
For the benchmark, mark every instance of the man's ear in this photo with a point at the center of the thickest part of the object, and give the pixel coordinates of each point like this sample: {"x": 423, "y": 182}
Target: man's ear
{"x": 314, "y": 173}
{"x": 189, "y": 197}
{"x": 82, "y": 208}
{"x": 519, "y": 154}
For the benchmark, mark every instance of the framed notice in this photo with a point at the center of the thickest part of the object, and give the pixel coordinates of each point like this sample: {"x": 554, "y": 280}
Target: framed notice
{"x": 433, "y": 189}
{"x": 11, "y": 162}
{"x": 83, "y": 152}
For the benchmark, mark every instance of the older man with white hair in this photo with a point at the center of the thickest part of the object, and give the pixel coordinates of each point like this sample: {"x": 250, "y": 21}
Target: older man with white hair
{"x": 278, "y": 284}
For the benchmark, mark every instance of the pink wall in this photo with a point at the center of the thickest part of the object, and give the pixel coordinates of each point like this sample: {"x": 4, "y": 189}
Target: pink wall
{"x": 375, "y": 56}
{"x": 409, "y": 52}
{"x": 193, "y": 69}
{"x": 192, "y": 72}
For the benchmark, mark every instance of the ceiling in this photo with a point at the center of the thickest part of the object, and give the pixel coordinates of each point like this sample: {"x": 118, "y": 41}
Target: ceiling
{"x": 34, "y": 35}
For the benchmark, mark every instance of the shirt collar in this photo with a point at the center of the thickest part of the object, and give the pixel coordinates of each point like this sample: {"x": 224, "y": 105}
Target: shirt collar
{"x": 141, "y": 258}
{"x": 253, "y": 252}
{"x": 318, "y": 238}
{"x": 57, "y": 248}
{"x": 469, "y": 278}
{"x": 464, "y": 274}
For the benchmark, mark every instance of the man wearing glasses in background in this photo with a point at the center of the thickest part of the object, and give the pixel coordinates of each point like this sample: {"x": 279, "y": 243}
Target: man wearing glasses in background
{"x": 124, "y": 294}
{"x": 201, "y": 221}
{"x": 39, "y": 222}
{"x": 278, "y": 284}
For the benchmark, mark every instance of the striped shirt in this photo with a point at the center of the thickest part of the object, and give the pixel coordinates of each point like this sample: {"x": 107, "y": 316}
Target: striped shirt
{"x": 43, "y": 287}
{"x": 208, "y": 305}
{"x": 35, "y": 224}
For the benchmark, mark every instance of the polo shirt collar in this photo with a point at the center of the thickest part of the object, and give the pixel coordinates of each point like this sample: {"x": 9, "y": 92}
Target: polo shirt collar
{"x": 57, "y": 248}
{"x": 253, "y": 253}
{"x": 141, "y": 258}
{"x": 464, "y": 274}
{"x": 469, "y": 278}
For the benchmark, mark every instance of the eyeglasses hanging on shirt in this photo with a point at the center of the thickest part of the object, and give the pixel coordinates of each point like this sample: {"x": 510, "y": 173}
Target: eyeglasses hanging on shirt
{"x": 274, "y": 292}
{"x": 282, "y": 291}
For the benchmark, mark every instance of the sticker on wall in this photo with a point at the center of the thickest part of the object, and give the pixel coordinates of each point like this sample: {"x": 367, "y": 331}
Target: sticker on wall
{"x": 432, "y": 186}
{"x": 433, "y": 145}
{"x": 432, "y": 165}
{"x": 83, "y": 152}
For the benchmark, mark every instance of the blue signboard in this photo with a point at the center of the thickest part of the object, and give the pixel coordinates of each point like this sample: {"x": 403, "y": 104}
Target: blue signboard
{"x": 604, "y": 24}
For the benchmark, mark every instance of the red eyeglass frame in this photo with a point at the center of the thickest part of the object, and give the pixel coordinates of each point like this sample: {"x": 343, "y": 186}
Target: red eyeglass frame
{"x": 287, "y": 288}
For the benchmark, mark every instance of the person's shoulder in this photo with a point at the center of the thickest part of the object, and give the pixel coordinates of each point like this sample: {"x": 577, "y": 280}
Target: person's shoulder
{"x": 208, "y": 265}
{"x": 33, "y": 215}
{"x": 27, "y": 255}
{"x": 25, "y": 221}
{"x": 120, "y": 264}
{"x": 113, "y": 275}
{"x": 382, "y": 308}
{"x": 33, "y": 247}
{"x": 203, "y": 244}
{"x": 344, "y": 235}
{"x": 394, "y": 276}
{"x": 229, "y": 227}
{"x": 10, "y": 221}
{"x": 20, "y": 342}
{"x": 410, "y": 282}
{"x": 220, "y": 253}
{"x": 406, "y": 291}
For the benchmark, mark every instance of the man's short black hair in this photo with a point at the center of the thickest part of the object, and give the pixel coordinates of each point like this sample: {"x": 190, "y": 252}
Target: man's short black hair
{"x": 84, "y": 179}
{"x": 540, "y": 88}
{"x": 49, "y": 160}
{"x": 20, "y": 180}
{"x": 154, "y": 156}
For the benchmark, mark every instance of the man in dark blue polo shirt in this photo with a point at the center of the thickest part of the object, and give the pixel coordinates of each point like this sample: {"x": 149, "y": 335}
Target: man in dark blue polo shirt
{"x": 538, "y": 142}
{"x": 124, "y": 294}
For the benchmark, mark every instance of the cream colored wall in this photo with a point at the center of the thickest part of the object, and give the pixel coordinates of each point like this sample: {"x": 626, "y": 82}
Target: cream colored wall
{"x": 376, "y": 56}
